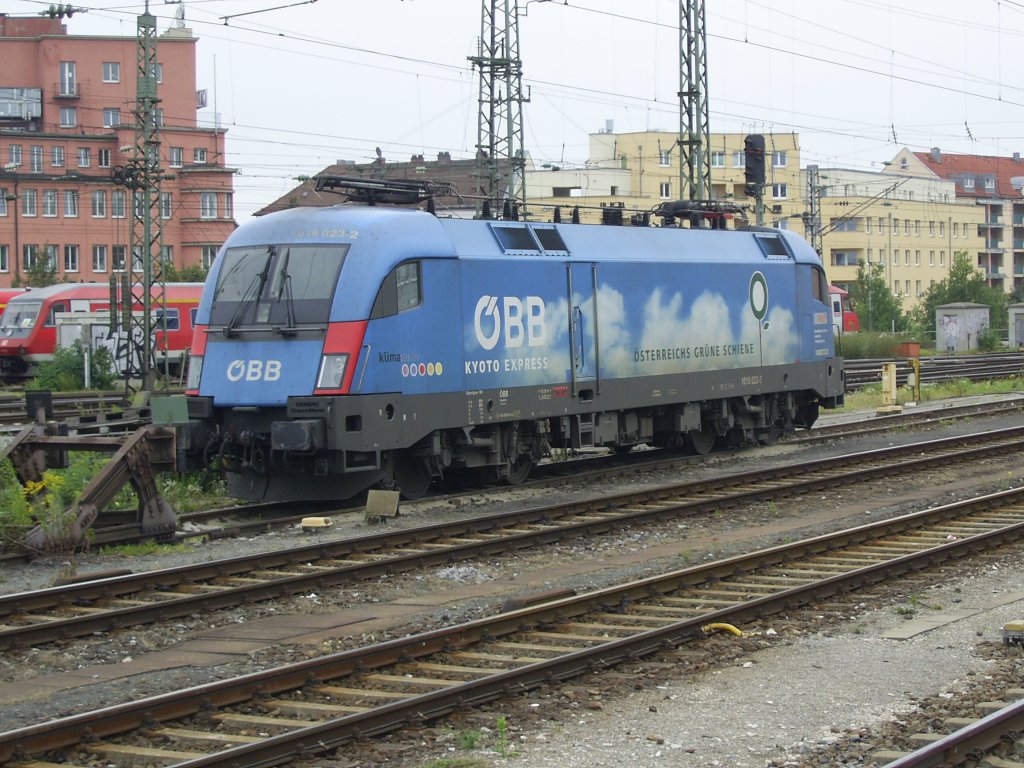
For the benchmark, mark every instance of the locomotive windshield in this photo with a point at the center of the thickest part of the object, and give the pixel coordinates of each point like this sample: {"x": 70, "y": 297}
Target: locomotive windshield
{"x": 19, "y": 317}
{"x": 282, "y": 286}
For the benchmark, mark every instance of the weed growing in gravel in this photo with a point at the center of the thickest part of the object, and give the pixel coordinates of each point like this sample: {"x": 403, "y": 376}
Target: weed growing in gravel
{"x": 503, "y": 746}
{"x": 144, "y": 548}
{"x": 457, "y": 762}
{"x": 468, "y": 739}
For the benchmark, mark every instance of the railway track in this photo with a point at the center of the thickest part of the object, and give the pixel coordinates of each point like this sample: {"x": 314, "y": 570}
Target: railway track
{"x": 985, "y": 738}
{"x": 104, "y": 604}
{"x": 255, "y": 518}
{"x": 937, "y": 368}
{"x": 312, "y": 707}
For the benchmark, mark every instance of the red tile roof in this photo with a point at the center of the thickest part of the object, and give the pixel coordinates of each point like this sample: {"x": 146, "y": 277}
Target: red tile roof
{"x": 978, "y": 167}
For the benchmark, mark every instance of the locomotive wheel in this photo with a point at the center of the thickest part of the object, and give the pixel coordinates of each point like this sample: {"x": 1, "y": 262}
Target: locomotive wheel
{"x": 700, "y": 441}
{"x": 412, "y": 475}
{"x": 519, "y": 470}
{"x": 769, "y": 435}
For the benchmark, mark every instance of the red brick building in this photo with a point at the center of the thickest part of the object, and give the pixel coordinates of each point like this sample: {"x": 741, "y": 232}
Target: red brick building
{"x": 67, "y": 121}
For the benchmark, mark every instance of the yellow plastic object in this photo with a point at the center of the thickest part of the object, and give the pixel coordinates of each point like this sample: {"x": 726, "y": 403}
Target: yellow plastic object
{"x": 316, "y": 523}
{"x": 708, "y": 628}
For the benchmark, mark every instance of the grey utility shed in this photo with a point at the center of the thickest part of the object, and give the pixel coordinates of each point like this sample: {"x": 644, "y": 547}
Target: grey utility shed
{"x": 1016, "y": 325}
{"x": 957, "y": 326}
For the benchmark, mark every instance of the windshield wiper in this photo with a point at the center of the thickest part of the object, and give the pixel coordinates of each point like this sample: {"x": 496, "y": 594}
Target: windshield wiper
{"x": 286, "y": 289}
{"x": 252, "y": 293}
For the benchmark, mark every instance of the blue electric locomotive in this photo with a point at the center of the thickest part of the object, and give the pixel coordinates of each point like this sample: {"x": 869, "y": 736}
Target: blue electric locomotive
{"x": 350, "y": 347}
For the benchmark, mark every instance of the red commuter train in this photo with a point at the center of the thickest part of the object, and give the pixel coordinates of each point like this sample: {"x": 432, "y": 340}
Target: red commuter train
{"x": 844, "y": 318}
{"x": 28, "y": 327}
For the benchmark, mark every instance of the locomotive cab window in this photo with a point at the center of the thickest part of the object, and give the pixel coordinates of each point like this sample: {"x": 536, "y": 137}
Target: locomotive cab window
{"x": 400, "y": 290}
{"x": 19, "y": 317}
{"x": 772, "y": 245}
{"x": 278, "y": 286}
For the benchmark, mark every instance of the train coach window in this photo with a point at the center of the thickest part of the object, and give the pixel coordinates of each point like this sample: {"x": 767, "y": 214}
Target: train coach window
{"x": 515, "y": 238}
{"x": 772, "y": 245}
{"x": 173, "y": 320}
{"x": 399, "y": 291}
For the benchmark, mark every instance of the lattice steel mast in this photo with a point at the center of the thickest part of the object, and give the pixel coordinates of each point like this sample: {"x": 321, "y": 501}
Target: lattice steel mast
{"x": 146, "y": 230}
{"x": 694, "y": 125}
{"x": 501, "y": 164}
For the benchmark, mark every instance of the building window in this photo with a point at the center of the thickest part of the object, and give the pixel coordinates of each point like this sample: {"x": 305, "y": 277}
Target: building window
{"x": 931, "y": 229}
{"x": 57, "y": 156}
{"x": 881, "y": 255}
{"x": 117, "y": 254}
{"x": 175, "y": 157}
{"x": 209, "y": 253}
{"x": 99, "y": 258}
{"x": 208, "y": 205}
{"x": 84, "y": 157}
{"x": 158, "y": 116}
{"x": 906, "y": 286}
{"x": 917, "y": 258}
{"x": 968, "y": 183}
{"x": 867, "y": 226}
{"x": 5, "y": 258}
{"x": 895, "y": 256}
{"x": 844, "y": 225}
{"x": 28, "y": 202}
{"x": 167, "y": 254}
{"x": 779, "y": 158}
{"x": 665, "y": 190}
{"x": 70, "y": 203}
{"x": 844, "y": 258}
{"x": 906, "y": 258}
{"x": 881, "y": 225}
{"x": 158, "y": 72}
{"x": 36, "y": 158}
{"x": 990, "y": 184}
{"x": 3, "y": 201}
{"x": 99, "y": 204}
{"x": 111, "y": 72}
{"x": 137, "y": 265}
{"x": 118, "y": 204}
{"x": 942, "y": 228}
{"x": 931, "y": 258}
{"x": 49, "y": 202}
{"x": 199, "y": 154}
{"x": 29, "y": 255}
{"x": 718, "y": 159}
{"x": 739, "y": 159}
{"x": 229, "y": 205}
{"x": 778, "y": 191}
{"x": 664, "y": 158}
{"x": 111, "y": 117}
{"x": 68, "y": 79}
{"x": 70, "y": 258}
{"x": 14, "y": 154}
{"x": 917, "y": 228}
{"x": 895, "y": 226}
{"x": 896, "y": 287}
{"x": 942, "y": 258}
{"x": 68, "y": 117}
{"x": 50, "y": 257}
{"x": 139, "y": 200}
{"x": 906, "y": 226}
{"x": 165, "y": 205}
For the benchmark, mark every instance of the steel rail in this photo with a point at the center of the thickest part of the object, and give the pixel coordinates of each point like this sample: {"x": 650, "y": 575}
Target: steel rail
{"x": 321, "y": 565}
{"x": 787, "y": 576}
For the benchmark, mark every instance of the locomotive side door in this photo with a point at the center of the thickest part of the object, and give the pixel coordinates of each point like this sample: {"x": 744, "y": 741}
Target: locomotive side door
{"x": 583, "y": 346}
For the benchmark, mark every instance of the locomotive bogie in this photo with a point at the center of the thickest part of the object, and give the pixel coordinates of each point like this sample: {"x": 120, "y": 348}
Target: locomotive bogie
{"x": 451, "y": 345}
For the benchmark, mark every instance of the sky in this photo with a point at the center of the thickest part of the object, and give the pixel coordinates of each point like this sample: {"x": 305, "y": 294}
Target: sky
{"x": 301, "y": 85}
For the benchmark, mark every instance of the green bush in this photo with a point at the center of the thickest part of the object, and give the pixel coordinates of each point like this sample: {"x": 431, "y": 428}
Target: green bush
{"x": 66, "y": 371}
{"x": 857, "y": 346}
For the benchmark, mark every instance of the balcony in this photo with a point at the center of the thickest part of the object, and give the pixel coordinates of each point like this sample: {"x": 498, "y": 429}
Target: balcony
{"x": 66, "y": 91}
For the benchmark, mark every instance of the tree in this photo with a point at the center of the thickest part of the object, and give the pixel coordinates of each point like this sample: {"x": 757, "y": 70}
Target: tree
{"x": 193, "y": 273}
{"x": 964, "y": 283}
{"x": 878, "y": 309}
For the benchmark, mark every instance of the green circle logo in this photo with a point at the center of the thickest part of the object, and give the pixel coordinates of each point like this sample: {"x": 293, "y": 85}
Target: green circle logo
{"x": 758, "y": 295}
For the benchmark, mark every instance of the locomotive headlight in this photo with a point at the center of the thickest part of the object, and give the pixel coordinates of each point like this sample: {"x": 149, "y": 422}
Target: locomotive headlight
{"x": 332, "y": 371}
{"x": 195, "y": 372}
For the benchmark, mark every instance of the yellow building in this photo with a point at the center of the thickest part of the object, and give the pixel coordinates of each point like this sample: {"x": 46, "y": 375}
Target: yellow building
{"x": 908, "y": 218}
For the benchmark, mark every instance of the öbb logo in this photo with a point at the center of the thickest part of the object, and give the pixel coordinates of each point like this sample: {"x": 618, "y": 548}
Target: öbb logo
{"x": 254, "y": 370}
{"x": 519, "y": 318}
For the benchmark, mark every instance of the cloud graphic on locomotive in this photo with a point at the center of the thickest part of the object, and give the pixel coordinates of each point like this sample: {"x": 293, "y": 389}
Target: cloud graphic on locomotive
{"x": 505, "y": 337}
